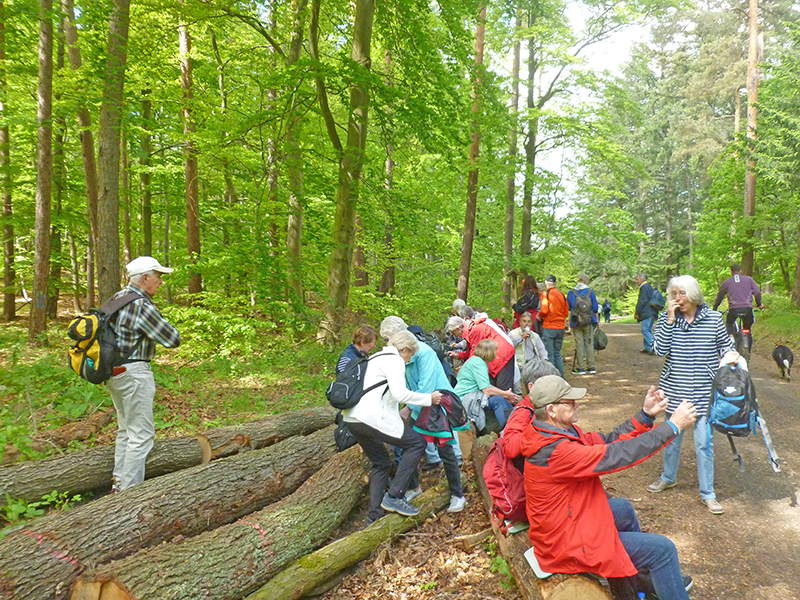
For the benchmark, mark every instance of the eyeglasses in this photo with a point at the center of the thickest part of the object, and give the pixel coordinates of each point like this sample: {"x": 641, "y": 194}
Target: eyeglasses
{"x": 572, "y": 403}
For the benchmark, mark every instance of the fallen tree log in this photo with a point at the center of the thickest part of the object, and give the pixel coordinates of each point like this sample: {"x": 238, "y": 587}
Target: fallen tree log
{"x": 80, "y": 472}
{"x": 235, "y": 560}
{"x": 313, "y": 570}
{"x": 60, "y": 437}
{"x": 41, "y": 560}
{"x": 514, "y": 546}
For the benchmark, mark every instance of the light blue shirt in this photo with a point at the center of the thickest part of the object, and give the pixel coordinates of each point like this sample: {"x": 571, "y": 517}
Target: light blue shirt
{"x": 425, "y": 374}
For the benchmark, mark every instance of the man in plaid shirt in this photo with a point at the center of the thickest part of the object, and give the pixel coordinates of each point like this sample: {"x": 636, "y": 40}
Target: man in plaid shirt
{"x": 138, "y": 327}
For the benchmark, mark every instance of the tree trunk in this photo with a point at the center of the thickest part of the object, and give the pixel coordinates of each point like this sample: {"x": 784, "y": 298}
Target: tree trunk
{"x": 472, "y": 179}
{"x": 76, "y": 272}
{"x": 144, "y": 175}
{"x": 294, "y": 165}
{"x": 351, "y": 162}
{"x": 190, "y": 162}
{"x": 316, "y": 568}
{"x": 107, "y": 249}
{"x": 167, "y": 230}
{"x": 44, "y": 175}
{"x": 9, "y": 275}
{"x": 360, "y": 277}
{"x": 181, "y": 504}
{"x": 753, "y": 74}
{"x": 388, "y": 278}
{"x": 125, "y": 200}
{"x": 237, "y": 559}
{"x": 59, "y": 183}
{"x": 508, "y": 238}
{"x": 80, "y": 472}
{"x": 796, "y": 287}
{"x": 87, "y": 138}
{"x": 530, "y": 149}
{"x": 514, "y": 546}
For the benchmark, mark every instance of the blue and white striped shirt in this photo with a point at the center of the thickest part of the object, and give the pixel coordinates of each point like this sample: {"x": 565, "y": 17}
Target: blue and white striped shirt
{"x": 693, "y": 351}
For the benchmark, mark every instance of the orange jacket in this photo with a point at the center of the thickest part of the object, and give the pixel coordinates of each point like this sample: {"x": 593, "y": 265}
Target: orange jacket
{"x": 554, "y": 309}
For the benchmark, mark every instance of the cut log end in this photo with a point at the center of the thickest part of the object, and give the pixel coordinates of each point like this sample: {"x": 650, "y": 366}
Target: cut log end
{"x": 205, "y": 448}
{"x": 572, "y": 587}
{"x": 88, "y": 589}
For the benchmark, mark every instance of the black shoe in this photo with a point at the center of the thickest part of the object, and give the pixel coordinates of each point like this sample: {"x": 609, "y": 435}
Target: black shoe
{"x": 688, "y": 582}
{"x": 431, "y": 466}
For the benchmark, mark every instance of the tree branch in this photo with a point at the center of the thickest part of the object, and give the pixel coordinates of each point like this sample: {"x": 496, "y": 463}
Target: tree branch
{"x": 322, "y": 92}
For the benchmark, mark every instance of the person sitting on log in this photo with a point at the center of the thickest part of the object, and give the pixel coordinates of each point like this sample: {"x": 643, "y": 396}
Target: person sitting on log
{"x": 364, "y": 339}
{"x": 476, "y": 391}
{"x": 503, "y": 369}
{"x": 574, "y": 526}
{"x": 376, "y": 421}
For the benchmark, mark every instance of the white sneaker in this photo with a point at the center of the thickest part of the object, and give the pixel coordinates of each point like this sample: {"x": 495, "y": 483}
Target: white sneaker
{"x": 411, "y": 494}
{"x": 457, "y": 504}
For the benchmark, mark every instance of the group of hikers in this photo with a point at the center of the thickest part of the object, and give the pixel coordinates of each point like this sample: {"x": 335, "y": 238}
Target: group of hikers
{"x": 516, "y": 378}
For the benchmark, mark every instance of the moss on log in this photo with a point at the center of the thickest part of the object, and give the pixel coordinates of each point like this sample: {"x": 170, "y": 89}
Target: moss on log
{"x": 318, "y": 567}
{"x": 80, "y": 472}
{"x": 41, "y": 560}
{"x": 237, "y": 559}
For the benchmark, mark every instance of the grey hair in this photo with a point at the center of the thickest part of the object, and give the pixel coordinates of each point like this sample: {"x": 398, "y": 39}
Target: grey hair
{"x": 688, "y": 284}
{"x": 541, "y": 412}
{"x": 583, "y": 278}
{"x": 642, "y": 276}
{"x": 391, "y": 325}
{"x": 404, "y": 340}
{"x": 466, "y": 312}
{"x": 458, "y": 303}
{"x": 454, "y": 323}
{"x": 534, "y": 369}
{"x": 135, "y": 279}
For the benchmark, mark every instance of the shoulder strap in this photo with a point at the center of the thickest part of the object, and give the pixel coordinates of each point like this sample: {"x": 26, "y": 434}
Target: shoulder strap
{"x": 115, "y": 304}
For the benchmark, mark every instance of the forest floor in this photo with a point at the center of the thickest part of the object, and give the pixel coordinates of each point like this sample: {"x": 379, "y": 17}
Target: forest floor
{"x": 747, "y": 553}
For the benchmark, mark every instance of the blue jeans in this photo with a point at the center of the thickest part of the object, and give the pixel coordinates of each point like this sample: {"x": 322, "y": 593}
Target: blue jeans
{"x": 704, "y": 450}
{"x": 650, "y": 553}
{"x": 501, "y": 407}
{"x": 432, "y": 453}
{"x": 647, "y": 332}
{"x": 553, "y": 339}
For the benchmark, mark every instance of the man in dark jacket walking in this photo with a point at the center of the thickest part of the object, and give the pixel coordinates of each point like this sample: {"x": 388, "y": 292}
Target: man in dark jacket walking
{"x": 645, "y": 314}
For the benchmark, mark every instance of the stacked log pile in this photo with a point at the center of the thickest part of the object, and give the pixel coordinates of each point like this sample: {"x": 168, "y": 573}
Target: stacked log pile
{"x": 80, "y": 472}
{"x": 42, "y": 560}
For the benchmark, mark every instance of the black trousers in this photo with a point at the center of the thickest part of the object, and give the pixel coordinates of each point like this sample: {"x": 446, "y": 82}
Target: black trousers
{"x": 734, "y": 313}
{"x": 505, "y": 376}
{"x": 372, "y": 441}
{"x": 451, "y": 470}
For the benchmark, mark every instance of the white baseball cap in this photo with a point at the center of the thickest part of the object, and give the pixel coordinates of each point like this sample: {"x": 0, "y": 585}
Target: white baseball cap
{"x": 144, "y": 264}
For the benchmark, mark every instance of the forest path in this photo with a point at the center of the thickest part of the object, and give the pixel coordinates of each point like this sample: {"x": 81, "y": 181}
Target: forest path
{"x": 745, "y": 554}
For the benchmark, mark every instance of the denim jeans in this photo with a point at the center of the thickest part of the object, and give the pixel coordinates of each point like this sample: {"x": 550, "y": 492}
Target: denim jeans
{"x": 704, "y": 450}
{"x": 501, "y": 408}
{"x": 647, "y": 332}
{"x": 432, "y": 453}
{"x": 132, "y": 393}
{"x": 372, "y": 441}
{"x": 650, "y": 553}
{"x": 553, "y": 340}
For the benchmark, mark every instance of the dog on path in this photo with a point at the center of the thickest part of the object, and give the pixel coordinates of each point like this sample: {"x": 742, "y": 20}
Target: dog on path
{"x": 784, "y": 358}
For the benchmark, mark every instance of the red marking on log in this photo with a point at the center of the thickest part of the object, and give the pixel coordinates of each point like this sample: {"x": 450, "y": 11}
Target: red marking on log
{"x": 59, "y": 555}
{"x": 261, "y": 532}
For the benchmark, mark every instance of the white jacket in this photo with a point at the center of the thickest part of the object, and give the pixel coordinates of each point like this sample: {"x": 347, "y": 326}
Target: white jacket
{"x": 379, "y": 408}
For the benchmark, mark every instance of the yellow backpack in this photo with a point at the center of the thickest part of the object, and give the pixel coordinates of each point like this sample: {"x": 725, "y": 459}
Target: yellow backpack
{"x": 94, "y": 354}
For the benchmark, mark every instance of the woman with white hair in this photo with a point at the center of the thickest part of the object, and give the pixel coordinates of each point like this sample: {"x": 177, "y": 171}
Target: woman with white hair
{"x": 376, "y": 421}
{"x": 692, "y": 337}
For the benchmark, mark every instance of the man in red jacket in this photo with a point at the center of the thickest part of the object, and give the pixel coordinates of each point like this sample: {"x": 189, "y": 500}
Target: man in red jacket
{"x": 501, "y": 369}
{"x": 574, "y": 526}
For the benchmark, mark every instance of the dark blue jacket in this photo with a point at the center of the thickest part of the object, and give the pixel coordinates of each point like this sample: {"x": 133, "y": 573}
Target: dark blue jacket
{"x": 643, "y": 308}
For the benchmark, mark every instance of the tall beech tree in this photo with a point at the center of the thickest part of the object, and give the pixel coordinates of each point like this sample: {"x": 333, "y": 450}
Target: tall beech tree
{"x": 474, "y": 150}
{"x": 753, "y": 75}
{"x": 108, "y": 248}
{"x": 44, "y": 174}
{"x": 351, "y": 160}
{"x": 9, "y": 277}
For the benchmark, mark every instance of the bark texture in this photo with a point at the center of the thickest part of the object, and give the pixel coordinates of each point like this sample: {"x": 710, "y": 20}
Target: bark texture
{"x": 43, "y": 559}
{"x": 237, "y": 559}
{"x": 79, "y": 472}
{"x": 318, "y": 567}
{"x": 9, "y": 275}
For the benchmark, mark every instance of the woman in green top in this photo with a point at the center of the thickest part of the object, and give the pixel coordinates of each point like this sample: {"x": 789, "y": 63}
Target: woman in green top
{"x": 477, "y": 393}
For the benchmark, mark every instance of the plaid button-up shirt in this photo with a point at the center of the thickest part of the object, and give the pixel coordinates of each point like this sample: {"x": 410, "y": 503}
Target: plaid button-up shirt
{"x": 141, "y": 319}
